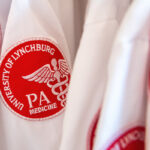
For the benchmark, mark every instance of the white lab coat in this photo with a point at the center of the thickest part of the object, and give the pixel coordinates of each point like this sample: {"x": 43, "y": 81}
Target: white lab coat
{"x": 103, "y": 71}
{"x": 123, "y": 112}
{"x": 89, "y": 74}
{"x": 28, "y": 19}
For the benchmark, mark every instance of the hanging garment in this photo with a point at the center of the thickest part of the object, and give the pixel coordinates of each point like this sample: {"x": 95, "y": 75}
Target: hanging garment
{"x": 89, "y": 74}
{"x": 4, "y": 10}
{"x": 37, "y": 56}
{"x": 148, "y": 109}
{"x": 122, "y": 122}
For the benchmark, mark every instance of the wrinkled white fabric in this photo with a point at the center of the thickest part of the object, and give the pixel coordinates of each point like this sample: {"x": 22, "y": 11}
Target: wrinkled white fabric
{"x": 4, "y": 10}
{"x": 90, "y": 71}
{"x": 109, "y": 72}
{"x": 28, "y": 19}
{"x": 125, "y": 97}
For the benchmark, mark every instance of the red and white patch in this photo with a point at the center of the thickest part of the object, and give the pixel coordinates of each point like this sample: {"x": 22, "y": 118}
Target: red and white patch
{"x": 34, "y": 77}
{"x": 133, "y": 139}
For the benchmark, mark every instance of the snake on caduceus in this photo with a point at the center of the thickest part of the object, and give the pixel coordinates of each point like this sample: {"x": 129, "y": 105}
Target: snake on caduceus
{"x": 46, "y": 75}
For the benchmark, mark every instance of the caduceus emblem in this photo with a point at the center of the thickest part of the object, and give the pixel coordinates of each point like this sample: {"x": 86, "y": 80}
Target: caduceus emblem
{"x": 46, "y": 75}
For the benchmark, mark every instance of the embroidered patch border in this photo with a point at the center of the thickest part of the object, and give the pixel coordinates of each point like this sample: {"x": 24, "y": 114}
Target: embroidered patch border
{"x": 35, "y": 78}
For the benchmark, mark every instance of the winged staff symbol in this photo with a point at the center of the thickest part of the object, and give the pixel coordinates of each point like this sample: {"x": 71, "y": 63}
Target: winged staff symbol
{"x": 46, "y": 75}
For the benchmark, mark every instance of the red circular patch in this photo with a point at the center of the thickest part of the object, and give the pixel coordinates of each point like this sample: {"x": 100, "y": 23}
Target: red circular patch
{"x": 34, "y": 79}
{"x": 133, "y": 139}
